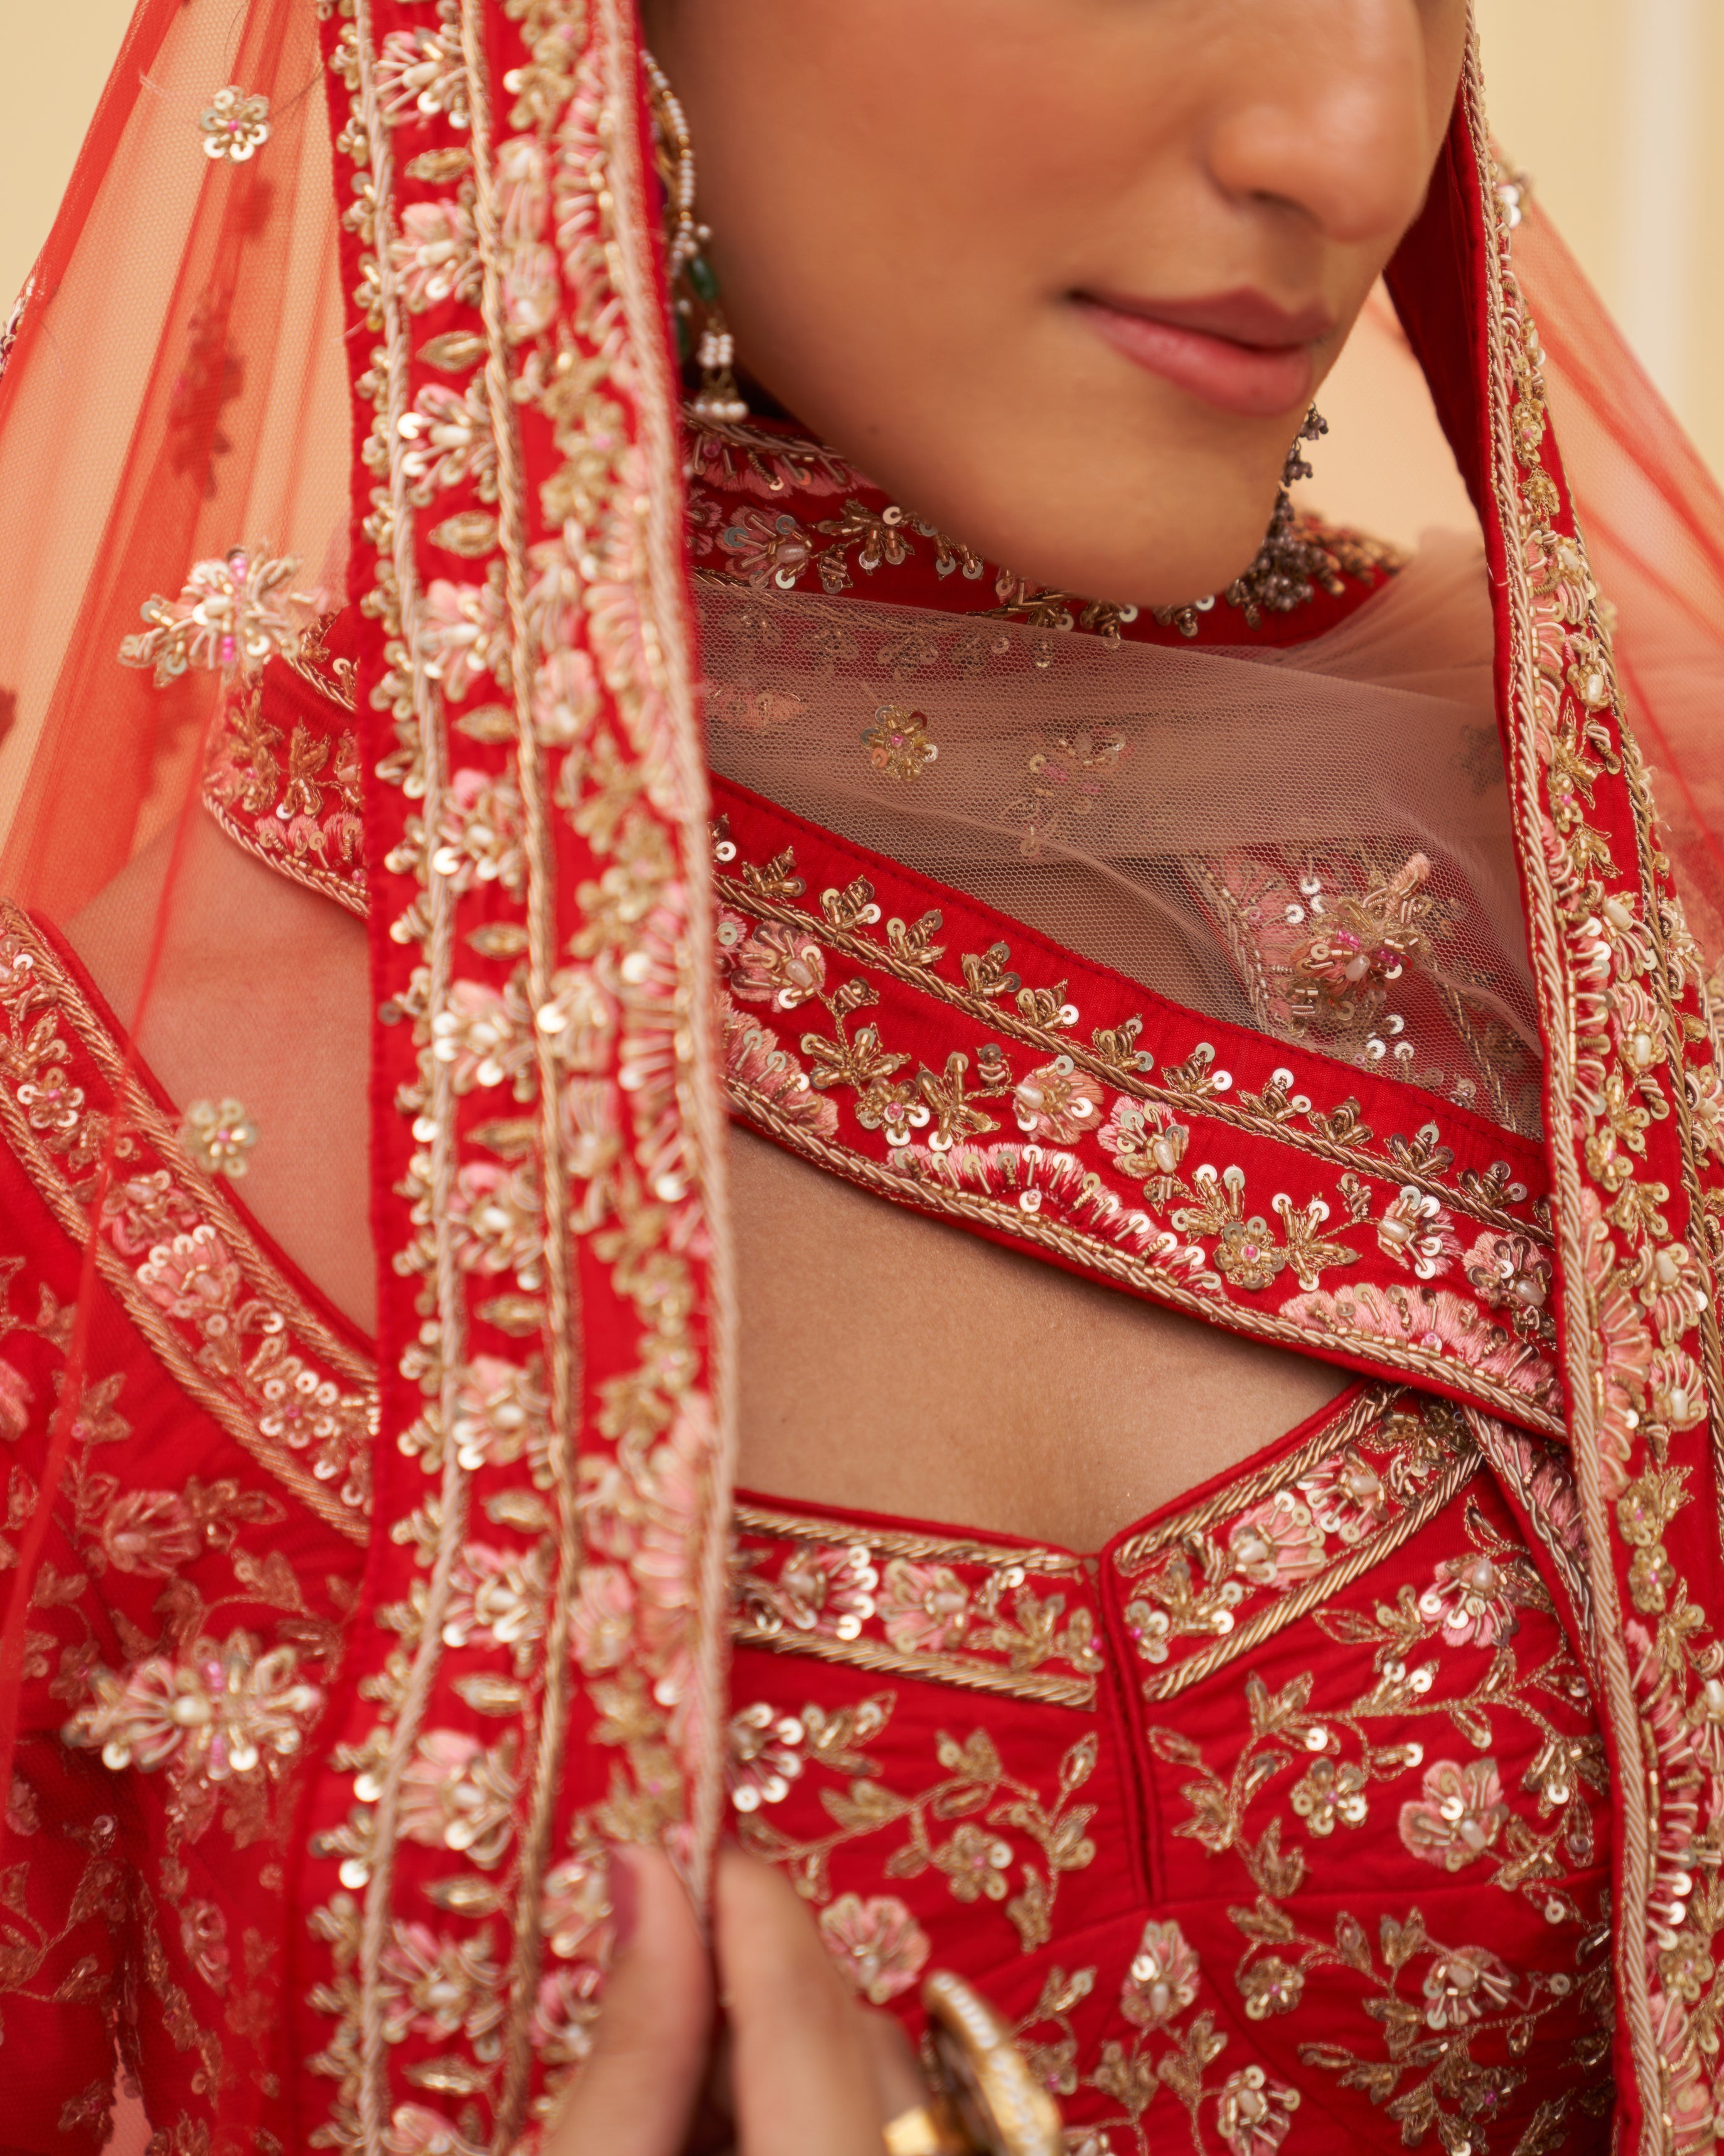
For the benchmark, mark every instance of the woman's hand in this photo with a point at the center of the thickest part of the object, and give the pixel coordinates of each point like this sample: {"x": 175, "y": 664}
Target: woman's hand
{"x": 803, "y": 2068}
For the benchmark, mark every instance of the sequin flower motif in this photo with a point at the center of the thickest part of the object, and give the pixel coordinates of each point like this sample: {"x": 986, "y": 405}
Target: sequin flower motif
{"x": 1163, "y": 1978}
{"x": 1458, "y": 1815}
{"x": 218, "y": 1136}
{"x": 897, "y": 743}
{"x": 225, "y": 1711}
{"x": 232, "y": 614}
{"x": 877, "y": 1944}
{"x": 1253, "y": 2114}
{"x": 235, "y": 126}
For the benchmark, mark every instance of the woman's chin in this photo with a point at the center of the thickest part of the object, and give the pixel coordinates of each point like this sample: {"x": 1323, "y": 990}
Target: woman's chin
{"x": 1164, "y": 571}
{"x": 1158, "y": 535}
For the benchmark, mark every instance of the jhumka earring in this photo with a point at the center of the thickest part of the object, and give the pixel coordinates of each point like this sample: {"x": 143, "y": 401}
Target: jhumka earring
{"x": 1289, "y": 565}
{"x": 694, "y": 282}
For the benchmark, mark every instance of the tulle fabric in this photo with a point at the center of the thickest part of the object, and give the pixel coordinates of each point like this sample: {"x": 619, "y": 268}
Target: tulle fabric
{"x": 1195, "y": 820}
{"x": 176, "y": 388}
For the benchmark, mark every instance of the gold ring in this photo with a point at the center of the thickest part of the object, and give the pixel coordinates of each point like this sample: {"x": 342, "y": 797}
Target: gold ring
{"x": 1000, "y": 2107}
{"x": 923, "y": 2130}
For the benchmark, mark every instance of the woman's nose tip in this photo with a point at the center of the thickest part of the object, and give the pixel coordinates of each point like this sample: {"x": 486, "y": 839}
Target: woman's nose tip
{"x": 1349, "y": 142}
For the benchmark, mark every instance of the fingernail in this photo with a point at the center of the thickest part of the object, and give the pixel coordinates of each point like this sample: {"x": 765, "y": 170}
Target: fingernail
{"x": 623, "y": 1886}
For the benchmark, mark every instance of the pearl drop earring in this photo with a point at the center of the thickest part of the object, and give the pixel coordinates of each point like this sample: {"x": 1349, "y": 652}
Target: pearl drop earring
{"x": 694, "y": 282}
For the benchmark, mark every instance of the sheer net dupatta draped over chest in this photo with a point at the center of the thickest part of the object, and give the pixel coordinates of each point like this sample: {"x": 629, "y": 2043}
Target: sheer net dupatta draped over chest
{"x": 360, "y": 304}
{"x": 1188, "y": 818}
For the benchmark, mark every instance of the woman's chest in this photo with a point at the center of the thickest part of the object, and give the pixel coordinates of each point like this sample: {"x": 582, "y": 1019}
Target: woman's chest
{"x": 893, "y": 1362}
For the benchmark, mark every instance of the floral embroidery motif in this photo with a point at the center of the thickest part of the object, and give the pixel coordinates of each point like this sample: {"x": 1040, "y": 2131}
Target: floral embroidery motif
{"x": 1058, "y": 1103}
{"x": 299, "y": 811}
{"x": 1253, "y": 2114}
{"x": 1163, "y": 1978}
{"x": 1209, "y": 1577}
{"x": 231, "y": 616}
{"x": 898, "y": 743}
{"x": 756, "y": 1068}
{"x": 234, "y": 126}
{"x": 218, "y": 1136}
{"x": 763, "y": 1759}
{"x": 778, "y": 550}
{"x": 458, "y": 1794}
{"x": 228, "y": 1655}
{"x": 1459, "y": 1815}
{"x": 1626, "y": 988}
{"x": 223, "y": 1711}
{"x": 437, "y": 256}
{"x": 777, "y": 965}
{"x": 1462, "y": 1747}
{"x": 772, "y": 545}
{"x": 1067, "y": 774}
{"x": 227, "y": 1325}
{"x": 1344, "y": 948}
{"x": 877, "y": 1943}
{"x": 1471, "y": 1314}
{"x": 1364, "y": 941}
{"x": 972, "y": 1617}
{"x": 421, "y": 71}
{"x": 976, "y": 1859}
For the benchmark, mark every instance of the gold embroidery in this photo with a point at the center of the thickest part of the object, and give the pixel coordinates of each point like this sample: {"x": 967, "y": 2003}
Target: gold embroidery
{"x": 234, "y": 614}
{"x": 1067, "y": 773}
{"x": 234, "y": 126}
{"x": 305, "y": 822}
{"x": 219, "y": 1136}
{"x": 1166, "y": 2054}
{"x": 1625, "y": 1024}
{"x": 1196, "y": 1087}
{"x": 223, "y": 1720}
{"x": 896, "y": 1603}
{"x": 218, "y": 1713}
{"x": 1407, "y": 1332}
{"x": 598, "y": 726}
{"x": 176, "y": 1254}
{"x": 978, "y": 1856}
{"x": 1338, "y": 1498}
{"x": 898, "y": 743}
{"x": 1427, "y": 2077}
{"x": 1371, "y": 1482}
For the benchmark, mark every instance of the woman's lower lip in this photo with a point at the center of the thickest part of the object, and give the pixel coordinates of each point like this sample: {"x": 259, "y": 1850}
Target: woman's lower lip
{"x": 1255, "y": 382}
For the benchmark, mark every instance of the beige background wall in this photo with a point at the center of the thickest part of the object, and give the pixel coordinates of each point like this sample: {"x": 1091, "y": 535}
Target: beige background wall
{"x": 1614, "y": 106}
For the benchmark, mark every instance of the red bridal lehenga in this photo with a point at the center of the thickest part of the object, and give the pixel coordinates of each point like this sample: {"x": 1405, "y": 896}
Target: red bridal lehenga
{"x": 1309, "y": 961}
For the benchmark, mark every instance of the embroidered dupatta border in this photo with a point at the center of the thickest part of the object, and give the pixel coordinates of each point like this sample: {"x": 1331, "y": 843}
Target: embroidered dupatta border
{"x": 1643, "y": 1419}
{"x": 609, "y": 1345}
{"x": 1196, "y": 1238}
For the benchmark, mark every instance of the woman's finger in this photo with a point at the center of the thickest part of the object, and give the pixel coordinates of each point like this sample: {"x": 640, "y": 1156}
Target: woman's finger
{"x": 636, "y": 2092}
{"x": 803, "y": 2072}
{"x": 898, "y": 2083}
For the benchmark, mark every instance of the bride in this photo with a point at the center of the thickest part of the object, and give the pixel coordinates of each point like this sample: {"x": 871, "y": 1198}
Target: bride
{"x": 860, "y": 1280}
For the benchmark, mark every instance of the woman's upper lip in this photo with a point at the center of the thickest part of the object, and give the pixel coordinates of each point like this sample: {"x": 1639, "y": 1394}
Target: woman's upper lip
{"x": 1243, "y": 317}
